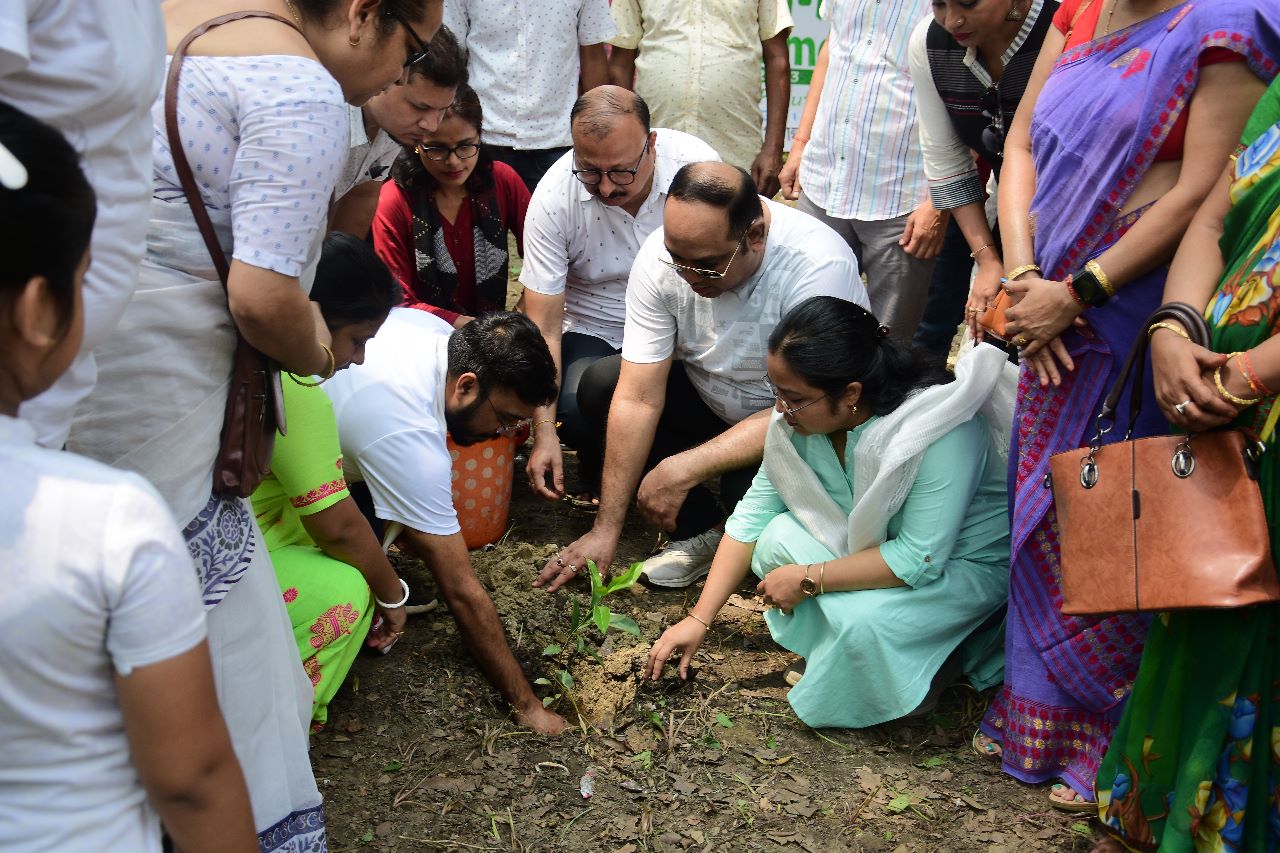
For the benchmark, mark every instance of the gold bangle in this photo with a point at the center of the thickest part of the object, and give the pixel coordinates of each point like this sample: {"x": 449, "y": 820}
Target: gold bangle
{"x": 537, "y": 424}
{"x": 1103, "y": 280}
{"x": 1227, "y": 395}
{"x": 1177, "y": 330}
{"x": 704, "y": 622}
{"x": 328, "y": 374}
{"x": 1022, "y": 270}
{"x": 978, "y": 251}
{"x": 821, "y": 571}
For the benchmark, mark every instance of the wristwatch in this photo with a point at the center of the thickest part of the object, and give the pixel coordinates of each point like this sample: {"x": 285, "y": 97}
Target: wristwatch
{"x": 809, "y": 586}
{"x": 1086, "y": 284}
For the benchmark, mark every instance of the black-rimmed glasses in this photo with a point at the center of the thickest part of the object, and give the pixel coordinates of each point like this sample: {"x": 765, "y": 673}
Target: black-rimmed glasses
{"x": 787, "y": 409}
{"x": 440, "y": 153}
{"x": 423, "y": 51}
{"x": 618, "y": 177}
{"x": 506, "y": 428}
{"x": 993, "y": 111}
{"x": 708, "y": 275}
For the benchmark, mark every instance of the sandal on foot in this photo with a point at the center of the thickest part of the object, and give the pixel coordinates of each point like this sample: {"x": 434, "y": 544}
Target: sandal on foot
{"x": 793, "y": 673}
{"x": 989, "y": 750}
{"x": 1075, "y": 803}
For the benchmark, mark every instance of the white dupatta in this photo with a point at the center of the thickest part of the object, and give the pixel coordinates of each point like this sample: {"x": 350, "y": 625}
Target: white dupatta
{"x": 888, "y": 453}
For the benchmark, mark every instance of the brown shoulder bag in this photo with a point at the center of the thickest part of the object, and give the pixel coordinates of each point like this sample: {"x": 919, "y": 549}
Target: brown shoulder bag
{"x": 1163, "y": 523}
{"x": 255, "y": 404}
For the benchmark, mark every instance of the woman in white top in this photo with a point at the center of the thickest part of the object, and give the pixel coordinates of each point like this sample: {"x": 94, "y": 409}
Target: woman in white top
{"x": 107, "y": 707}
{"x": 262, "y": 110}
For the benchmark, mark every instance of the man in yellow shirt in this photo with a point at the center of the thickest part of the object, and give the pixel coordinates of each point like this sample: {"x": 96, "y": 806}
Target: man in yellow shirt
{"x": 697, "y": 64}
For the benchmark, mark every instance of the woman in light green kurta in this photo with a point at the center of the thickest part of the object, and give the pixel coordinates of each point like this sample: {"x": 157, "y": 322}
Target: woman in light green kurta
{"x": 878, "y": 522}
{"x": 331, "y": 570}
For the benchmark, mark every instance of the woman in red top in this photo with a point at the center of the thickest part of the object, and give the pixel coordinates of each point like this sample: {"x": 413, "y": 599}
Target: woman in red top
{"x": 443, "y": 218}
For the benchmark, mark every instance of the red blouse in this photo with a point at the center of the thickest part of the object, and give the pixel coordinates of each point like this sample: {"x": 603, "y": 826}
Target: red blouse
{"x": 393, "y": 236}
{"x": 1086, "y": 24}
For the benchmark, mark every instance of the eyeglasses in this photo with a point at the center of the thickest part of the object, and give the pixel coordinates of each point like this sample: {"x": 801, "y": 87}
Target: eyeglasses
{"x": 618, "y": 177}
{"x": 506, "y": 428}
{"x": 708, "y": 275}
{"x": 788, "y": 409}
{"x": 423, "y": 51}
{"x": 439, "y": 153}
{"x": 993, "y": 109}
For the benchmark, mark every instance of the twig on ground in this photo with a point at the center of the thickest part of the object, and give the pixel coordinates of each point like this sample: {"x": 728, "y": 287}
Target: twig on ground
{"x": 574, "y": 820}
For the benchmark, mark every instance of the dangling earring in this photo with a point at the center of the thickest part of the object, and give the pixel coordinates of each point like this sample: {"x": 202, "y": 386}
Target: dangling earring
{"x": 354, "y": 42}
{"x": 417, "y": 149}
{"x": 1013, "y": 14}
{"x": 853, "y": 410}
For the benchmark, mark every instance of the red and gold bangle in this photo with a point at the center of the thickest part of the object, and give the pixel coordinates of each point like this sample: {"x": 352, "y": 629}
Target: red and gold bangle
{"x": 1256, "y": 385}
{"x": 1071, "y": 291}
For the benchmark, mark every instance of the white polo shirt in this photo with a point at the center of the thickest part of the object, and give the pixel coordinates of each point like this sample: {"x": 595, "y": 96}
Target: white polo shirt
{"x": 574, "y": 244}
{"x": 723, "y": 340}
{"x": 390, "y": 414}
{"x": 523, "y": 61}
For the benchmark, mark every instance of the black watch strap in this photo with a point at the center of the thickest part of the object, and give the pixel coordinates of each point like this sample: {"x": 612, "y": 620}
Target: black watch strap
{"x": 1087, "y": 286}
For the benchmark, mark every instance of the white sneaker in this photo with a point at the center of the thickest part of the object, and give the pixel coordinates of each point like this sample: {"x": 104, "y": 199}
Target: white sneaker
{"x": 684, "y": 561}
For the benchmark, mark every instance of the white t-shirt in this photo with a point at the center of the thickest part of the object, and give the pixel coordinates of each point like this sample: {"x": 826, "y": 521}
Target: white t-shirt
{"x": 723, "y": 340}
{"x": 367, "y": 159}
{"x": 390, "y": 413}
{"x": 576, "y": 245}
{"x": 90, "y": 68}
{"x": 97, "y": 580}
{"x": 523, "y": 61}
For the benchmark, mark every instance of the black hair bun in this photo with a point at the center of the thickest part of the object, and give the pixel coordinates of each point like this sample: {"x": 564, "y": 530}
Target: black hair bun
{"x": 882, "y": 331}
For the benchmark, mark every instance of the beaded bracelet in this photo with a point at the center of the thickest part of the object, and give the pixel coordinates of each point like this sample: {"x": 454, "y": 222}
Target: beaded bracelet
{"x": 401, "y": 603}
{"x": 1025, "y": 268}
{"x": 1071, "y": 291}
{"x": 1245, "y": 362}
{"x": 1177, "y": 330}
{"x": 978, "y": 251}
{"x": 1227, "y": 395}
{"x": 537, "y": 424}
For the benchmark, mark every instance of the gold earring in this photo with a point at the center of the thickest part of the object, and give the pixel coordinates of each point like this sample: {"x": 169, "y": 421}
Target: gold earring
{"x": 853, "y": 410}
{"x": 354, "y": 42}
{"x": 1013, "y": 13}
{"x": 417, "y": 149}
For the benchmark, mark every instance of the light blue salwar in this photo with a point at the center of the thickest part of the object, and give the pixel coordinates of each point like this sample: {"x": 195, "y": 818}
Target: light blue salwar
{"x": 872, "y": 654}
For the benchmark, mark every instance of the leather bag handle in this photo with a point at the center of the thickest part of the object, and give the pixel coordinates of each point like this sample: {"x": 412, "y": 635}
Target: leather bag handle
{"x": 179, "y": 154}
{"x": 1197, "y": 330}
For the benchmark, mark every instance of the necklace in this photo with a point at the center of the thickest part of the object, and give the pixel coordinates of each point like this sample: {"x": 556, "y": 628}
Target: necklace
{"x": 294, "y": 12}
{"x": 1111, "y": 12}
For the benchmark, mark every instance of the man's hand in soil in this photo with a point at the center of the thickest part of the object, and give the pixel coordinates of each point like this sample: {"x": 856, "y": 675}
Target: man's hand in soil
{"x": 545, "y": 459}
{"x": 595, "y": 545}
{"x": 539, "y": 719}
{"x": 682, "y": 638}
{"x": 663, "y": 490}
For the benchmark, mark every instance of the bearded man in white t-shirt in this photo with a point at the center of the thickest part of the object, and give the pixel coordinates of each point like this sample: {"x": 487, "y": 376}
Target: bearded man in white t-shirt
{"x": 686, "y": 401}
{"x": 586, "y": 221}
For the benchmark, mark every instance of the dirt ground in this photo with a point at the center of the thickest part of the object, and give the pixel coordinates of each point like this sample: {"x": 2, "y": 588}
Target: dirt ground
{"x": 420, "y": 755}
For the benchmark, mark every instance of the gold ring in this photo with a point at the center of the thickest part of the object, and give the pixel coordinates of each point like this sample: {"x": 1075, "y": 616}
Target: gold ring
{"x": 559, "y": 562}
{"x": 972, "y": 309}
{"x": 1020, "y": 341}
{"x": 397, "y": 633}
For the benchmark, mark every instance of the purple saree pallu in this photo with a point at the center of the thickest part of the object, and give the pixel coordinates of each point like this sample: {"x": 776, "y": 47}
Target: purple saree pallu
{"x": 1101, "y": 118}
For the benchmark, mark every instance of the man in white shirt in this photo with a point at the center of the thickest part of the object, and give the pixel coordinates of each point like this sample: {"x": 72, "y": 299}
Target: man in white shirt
{"x": 585, "y": 223}
{"x": 686, "y": 401}
{"x": 420, "y": 380}
{"x": 92, "y": 69}
{"x": 528, "y": 60}
{"x": 398, "y": 118}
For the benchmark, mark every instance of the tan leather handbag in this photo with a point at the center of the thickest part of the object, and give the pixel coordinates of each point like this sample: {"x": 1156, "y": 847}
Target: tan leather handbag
{"x": 993, "y": 320}
{"x": 1163, "y": 523}
{"x": 255, "y": 401}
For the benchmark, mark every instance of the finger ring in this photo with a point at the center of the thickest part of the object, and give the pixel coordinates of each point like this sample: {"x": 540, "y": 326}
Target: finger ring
{"x": 1181, "y": 407}
{"x": 972, "y": 309}
{"x": 559, "y": 562}
{"x": 397, "y": 633}
{"x": 1020, "y": 341}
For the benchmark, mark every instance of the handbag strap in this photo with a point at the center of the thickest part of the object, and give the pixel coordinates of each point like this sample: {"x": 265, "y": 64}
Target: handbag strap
{"x": 180, "y": 163}
{"x": 1191, "y": 319}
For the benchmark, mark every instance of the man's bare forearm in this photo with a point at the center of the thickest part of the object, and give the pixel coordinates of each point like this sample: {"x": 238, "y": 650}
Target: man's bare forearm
{"x": 628, "y": 440}
{"x": 739, "y": 446}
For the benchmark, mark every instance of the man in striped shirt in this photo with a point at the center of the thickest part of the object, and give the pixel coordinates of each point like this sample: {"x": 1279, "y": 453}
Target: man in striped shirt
{"x": 855, "y": 161}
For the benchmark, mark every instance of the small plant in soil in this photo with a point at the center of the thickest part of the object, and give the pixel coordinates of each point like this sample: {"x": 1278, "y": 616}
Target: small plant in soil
{"x": 581, "y": 620}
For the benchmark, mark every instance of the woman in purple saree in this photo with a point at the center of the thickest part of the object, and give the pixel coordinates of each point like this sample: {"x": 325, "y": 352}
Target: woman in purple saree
{"x": 1092, "y": 206}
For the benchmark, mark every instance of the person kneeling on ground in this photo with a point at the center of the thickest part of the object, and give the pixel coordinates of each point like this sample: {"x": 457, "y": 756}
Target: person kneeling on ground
{"x": 878, "y": 522}
{"x": 420, "y": 380}
{"x": 705, "y": 291}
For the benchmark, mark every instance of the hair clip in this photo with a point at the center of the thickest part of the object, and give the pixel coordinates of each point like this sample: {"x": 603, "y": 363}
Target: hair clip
{"x": 882, "y": 331}
{"x": 13, "y": 175}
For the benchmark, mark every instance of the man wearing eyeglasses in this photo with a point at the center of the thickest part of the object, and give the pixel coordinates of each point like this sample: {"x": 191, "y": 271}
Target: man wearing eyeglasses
{"x": 584, "y": 226}
{"x": 398, "y": 118}
{"x": 685, "y": 400}
{"x": 420, "y": 379}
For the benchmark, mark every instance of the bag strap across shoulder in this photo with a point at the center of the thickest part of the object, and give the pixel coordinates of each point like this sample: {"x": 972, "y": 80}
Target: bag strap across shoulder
{"x": 176, "y": 149}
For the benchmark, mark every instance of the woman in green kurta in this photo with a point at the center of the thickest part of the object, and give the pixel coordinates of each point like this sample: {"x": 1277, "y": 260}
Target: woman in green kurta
{"x": 878, "y": 522}
{"x": 1193, "y": 764}
{"x": 331, "y": 570}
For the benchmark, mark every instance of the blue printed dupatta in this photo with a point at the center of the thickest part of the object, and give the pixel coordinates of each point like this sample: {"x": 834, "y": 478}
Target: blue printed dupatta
{"x": 1102, "y": 116}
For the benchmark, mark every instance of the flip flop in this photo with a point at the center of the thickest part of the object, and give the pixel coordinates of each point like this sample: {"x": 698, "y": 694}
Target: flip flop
{"x": 990, "y": 751}
{"x": 1072, "y": 805}
{"x": 581, "y": 503}
{"x": 793, "y": 673}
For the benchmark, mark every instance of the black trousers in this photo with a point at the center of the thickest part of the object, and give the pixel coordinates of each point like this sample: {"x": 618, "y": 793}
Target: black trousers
{"x": 686, "y": 422}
